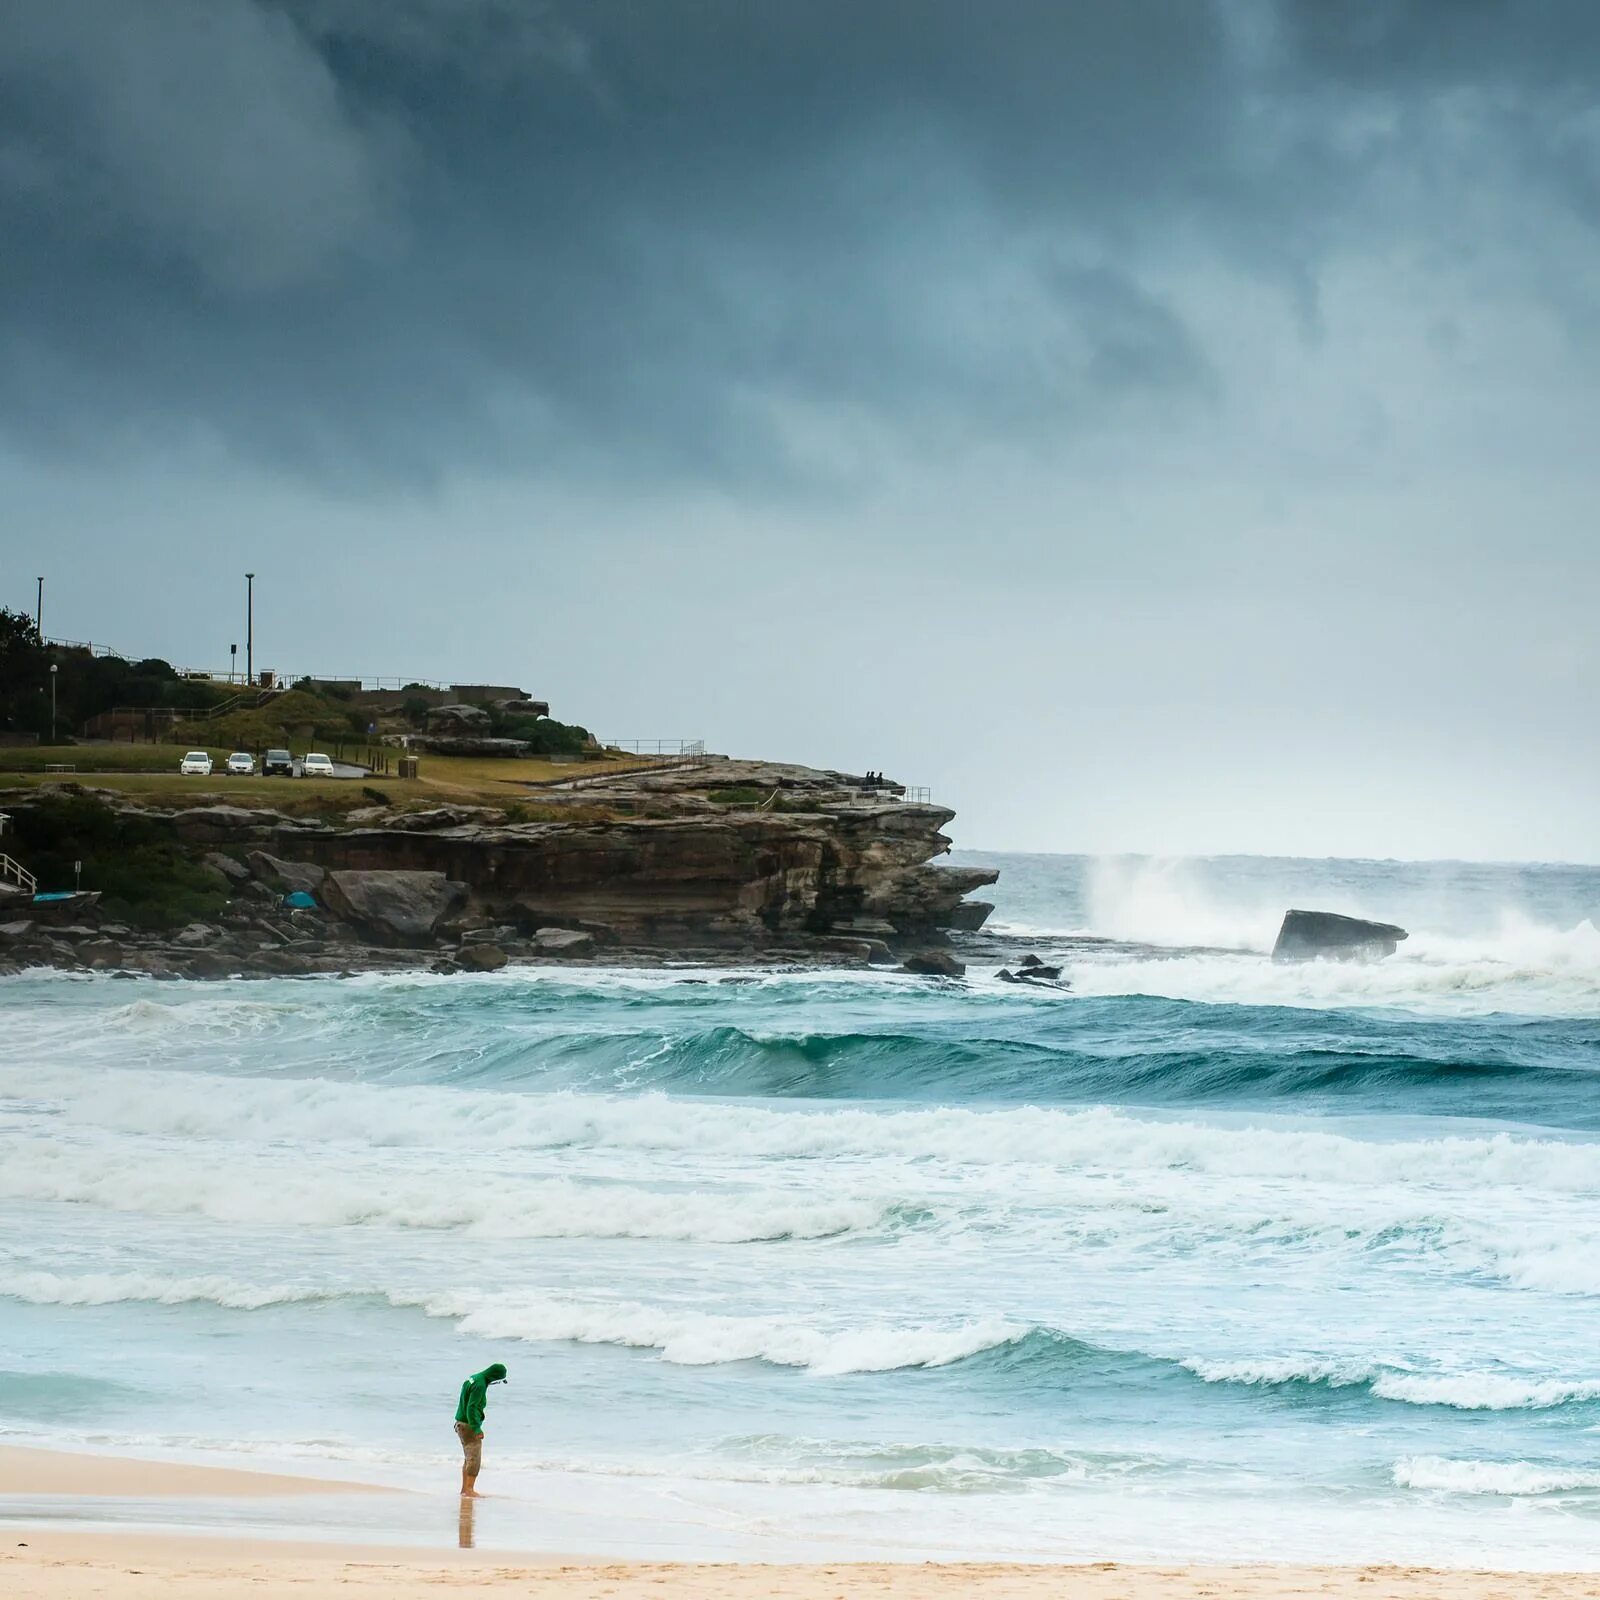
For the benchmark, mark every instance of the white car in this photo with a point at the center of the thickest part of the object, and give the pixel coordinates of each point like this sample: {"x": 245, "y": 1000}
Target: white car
{"x": 197, "y": 764}
{"x": 315, "y": 766}
{"x": 241, "y": 764}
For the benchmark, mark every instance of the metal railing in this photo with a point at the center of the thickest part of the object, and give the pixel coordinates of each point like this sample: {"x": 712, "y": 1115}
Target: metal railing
{"x": 19, "y": 874}
{"x": 106, "y": 652}
{"x": 83, "y": 644}
{"x": 655, "y": 747}
{"x": 379, "y": 760}
{"x": 158, "y": 718}
{"x": 873, "y": 794}
{"x": 232, "y": 674}
{"x": 367, "y": 682}
{"x": 253, "y": 698}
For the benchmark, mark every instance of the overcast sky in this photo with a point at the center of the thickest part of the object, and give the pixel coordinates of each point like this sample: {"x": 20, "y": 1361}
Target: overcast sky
{"x": 1166, "y": 425}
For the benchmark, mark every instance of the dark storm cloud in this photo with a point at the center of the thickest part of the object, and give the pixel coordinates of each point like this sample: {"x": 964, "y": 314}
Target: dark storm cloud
{"x": 372, "y": 240}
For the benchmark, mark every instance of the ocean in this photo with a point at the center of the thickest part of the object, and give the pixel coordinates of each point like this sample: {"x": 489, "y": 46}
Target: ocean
{"x": 1207, "y": 1258}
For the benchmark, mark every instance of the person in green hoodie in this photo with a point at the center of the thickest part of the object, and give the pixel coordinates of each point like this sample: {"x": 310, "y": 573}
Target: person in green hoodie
{"x": 470, "y": 1408}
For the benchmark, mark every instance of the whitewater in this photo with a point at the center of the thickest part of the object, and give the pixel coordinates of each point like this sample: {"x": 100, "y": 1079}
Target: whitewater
{"x": 1206, "y": 1258}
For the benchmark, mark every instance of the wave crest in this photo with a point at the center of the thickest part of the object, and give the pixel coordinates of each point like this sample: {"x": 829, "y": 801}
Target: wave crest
{"x": 1490, "y": 1477}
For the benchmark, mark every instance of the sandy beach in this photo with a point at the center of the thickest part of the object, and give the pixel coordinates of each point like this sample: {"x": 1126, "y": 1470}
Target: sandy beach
{"x": 63, "y": 1564}
{"x": 26, "y": 1471}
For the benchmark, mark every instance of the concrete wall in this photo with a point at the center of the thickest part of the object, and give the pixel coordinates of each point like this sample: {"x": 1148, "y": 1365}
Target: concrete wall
{"x": 475, "y": 694}
{"x": 393, "y": 699}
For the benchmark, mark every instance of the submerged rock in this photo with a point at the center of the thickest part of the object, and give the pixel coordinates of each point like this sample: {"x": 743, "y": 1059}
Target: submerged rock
{"x": 1308, "y": 935}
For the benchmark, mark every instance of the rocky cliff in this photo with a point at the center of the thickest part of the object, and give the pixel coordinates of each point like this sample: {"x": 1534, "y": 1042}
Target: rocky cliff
{"x": 727, "y": 858}
{"x": 815, "y": 857}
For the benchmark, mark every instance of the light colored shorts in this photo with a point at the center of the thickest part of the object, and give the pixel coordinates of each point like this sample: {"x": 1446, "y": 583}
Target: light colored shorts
{"x": 471, "y": 1448}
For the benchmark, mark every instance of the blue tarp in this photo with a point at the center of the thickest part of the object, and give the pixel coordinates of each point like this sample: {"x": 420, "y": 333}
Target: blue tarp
{"x": 300, "y": 901}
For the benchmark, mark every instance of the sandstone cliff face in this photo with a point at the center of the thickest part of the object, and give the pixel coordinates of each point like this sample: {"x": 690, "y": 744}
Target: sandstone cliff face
{"x": 726, "y": 877}
{"x": 727, "y": 855}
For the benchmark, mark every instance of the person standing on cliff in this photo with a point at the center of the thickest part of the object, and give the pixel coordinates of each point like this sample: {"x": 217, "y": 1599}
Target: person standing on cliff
{"x": 470, "y": 1408}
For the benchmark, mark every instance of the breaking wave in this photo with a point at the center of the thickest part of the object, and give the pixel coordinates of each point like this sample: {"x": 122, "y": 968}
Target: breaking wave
{"x": 1490, "y": 1477}
{"x": 310, "y": 1195}
{"x": 683, "y": 1336}
{"x": 318, "y": 1112}
{"x": 1465, "y": 1391}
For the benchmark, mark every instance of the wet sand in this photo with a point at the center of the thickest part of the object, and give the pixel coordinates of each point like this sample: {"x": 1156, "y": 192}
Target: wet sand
{"x": 58, "y": 1563}
{"x": 34, "y": 1472}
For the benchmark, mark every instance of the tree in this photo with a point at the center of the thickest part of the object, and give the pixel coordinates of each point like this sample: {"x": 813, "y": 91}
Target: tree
{"x": 23, "y": 670}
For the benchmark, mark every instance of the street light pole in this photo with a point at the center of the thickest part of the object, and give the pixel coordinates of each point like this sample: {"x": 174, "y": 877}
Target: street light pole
{"x": 53, "y": 670}
{"x": 249, "y": 627}
{"x": 38, "y": 613}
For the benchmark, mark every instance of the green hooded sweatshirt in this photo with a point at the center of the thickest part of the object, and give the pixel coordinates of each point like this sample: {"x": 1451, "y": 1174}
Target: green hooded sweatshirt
{"x": 475, "y": 1396}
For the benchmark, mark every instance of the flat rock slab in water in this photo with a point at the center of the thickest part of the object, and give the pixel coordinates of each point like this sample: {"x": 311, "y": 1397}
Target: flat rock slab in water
{"x": 1307, "y": 935}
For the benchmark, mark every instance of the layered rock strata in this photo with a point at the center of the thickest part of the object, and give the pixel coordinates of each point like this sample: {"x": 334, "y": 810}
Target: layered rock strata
{"x": 738, "y": 858}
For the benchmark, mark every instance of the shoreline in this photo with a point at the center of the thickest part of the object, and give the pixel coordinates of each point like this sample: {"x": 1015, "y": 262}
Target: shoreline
{"x": 29, "y": 1470}
{"x": 62, "y": 1565}
{"x": 63, "y": 1559}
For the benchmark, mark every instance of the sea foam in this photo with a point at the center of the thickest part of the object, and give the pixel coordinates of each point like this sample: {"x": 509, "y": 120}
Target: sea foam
{"x": 1491, "y": 1477}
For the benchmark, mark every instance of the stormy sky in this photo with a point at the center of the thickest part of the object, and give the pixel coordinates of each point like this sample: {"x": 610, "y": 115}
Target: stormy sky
{"x": 1162, "y": 425}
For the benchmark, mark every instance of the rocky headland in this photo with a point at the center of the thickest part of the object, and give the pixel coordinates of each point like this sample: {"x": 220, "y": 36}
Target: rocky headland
{"x": 720, "y": 862}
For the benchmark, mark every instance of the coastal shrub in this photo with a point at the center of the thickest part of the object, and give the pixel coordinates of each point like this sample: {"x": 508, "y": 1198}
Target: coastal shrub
{"x": 544, "y": 736}
{"x": 144, "y": 879}
{"x": 376, "y": 796}
{"x": 323, "y": 691}
{"x": 744, "y": 795}
{"x": 257, "y": 727}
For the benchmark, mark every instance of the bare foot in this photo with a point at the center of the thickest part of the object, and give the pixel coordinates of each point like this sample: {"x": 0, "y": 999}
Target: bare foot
{"x": 470, "y": 1494}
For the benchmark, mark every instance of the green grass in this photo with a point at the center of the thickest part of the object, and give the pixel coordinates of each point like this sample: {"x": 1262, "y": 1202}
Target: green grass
{"x": 151, "y": 770}
{"x": 503, "y": 778}
{"x": 301, "y": 796}
{"x": 106, "y": 757}
{"x": 263, "y": 727}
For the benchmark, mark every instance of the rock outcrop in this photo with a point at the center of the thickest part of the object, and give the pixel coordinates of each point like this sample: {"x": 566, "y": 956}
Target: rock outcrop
{"x": 300, "y": 876}
{"x": 721, "y": 878}
{"x": 1308, "y": 935}
{"x": 398, "y": 907}
{"x": 934, "y": 964}
{"x": 640, "y": 865}
{"x": 481, "y": 957}
{"x": 458, "y": 719}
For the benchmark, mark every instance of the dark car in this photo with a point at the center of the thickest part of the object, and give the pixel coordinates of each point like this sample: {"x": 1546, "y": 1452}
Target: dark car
{"x": 277, "y": 764}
